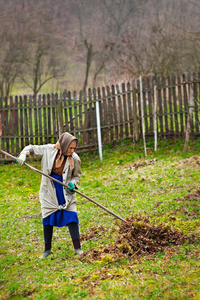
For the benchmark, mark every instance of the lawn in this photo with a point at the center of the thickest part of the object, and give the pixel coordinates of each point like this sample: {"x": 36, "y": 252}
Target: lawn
{"x": 162, "y": 187}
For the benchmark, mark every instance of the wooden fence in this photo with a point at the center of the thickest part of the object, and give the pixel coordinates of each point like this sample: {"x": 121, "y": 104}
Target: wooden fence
{"x": 26, "y": 120}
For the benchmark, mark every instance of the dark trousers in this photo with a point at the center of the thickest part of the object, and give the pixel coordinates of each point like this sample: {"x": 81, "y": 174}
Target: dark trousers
{"x": 74, "y": 233}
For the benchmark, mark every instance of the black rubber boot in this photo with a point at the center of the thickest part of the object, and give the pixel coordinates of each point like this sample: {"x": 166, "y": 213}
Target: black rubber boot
{"x": 48, "y": 233}
{"x": 78, "y": 251}
{"x": 75, "y": 235}
{"x": 45, "y": 253}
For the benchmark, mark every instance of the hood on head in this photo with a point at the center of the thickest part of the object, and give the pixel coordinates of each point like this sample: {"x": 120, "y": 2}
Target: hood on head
{"x": 65, "y": 140}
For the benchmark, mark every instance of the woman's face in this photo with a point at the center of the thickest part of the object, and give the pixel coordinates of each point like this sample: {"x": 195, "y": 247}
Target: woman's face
{"x": 71, "y": 149}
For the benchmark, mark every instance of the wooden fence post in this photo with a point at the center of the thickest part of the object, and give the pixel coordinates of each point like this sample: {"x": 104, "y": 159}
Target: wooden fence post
{"x": 187, "y": 136}
{"x": 120, "y": 111}
{"x": 135, "y": 118}
{"x": 59, "y": 116}
{"x": 99, "y": 130}
{"x": 155, "y": 118}
{"x": 142, "y": 116}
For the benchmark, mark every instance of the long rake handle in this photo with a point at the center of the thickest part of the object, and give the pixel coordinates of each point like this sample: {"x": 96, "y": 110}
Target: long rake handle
{"x": 88, "y": 198}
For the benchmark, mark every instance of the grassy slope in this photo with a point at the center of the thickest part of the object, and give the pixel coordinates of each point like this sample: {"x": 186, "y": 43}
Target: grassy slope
{"x": 150, "y": 190}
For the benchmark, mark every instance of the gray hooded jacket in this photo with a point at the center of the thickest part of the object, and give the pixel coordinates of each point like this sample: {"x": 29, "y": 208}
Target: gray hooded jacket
{"x": 47, "y": 194}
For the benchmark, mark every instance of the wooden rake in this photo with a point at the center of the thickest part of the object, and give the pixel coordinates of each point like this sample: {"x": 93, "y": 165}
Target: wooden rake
{"x": 88, "y": 198}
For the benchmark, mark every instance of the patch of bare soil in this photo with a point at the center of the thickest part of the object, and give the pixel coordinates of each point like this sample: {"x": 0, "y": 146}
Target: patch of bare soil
{"x": 137, "y": 237}
{"x": 93, "y": 233}
{"x": 140, "y": 164}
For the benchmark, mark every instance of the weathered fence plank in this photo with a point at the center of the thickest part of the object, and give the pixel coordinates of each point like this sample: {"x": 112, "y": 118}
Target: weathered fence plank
{"x": 130, "y": 111}
{"x": 115, "y": 112}
{"x": 86, "y": 121}
{"x": 95, "y": 118}
{"x": 120, "y": 111}
{"x": 75, "y": 114}
{"x": 59, "y": 117}
{"x": 165, "y": 110}
{"x": 110, "y": 113}
{"x": 170, "y": 106}
{"x": 21, "y": 123}
{"x": 150, "y": 105}
{"x": 40, "y": 118}
{"x": 30, "y": 120}
{"x": 16, "y": 133}
{"x": 1, "y": 124}
{"x": 185, "y": 98}
{"x": 49, "y": 118}
{"x": 44, "y": 119}
{"x": 71, "y": 129}
{"x": 101, "y": 112}
{"x": 195, "y": 88}
{"x": 135, "y": 113}
{"x": 54, "y": 121}
{"x": 145, "y": 105}
{"x": 91, "y": 118}
{"x": 139, "y": 106}
{"x": 81, "y": 140}
{"x": 66, "y": 116}
{"x": 180, "y": 105}
{"x": 26, "y": 121}
{"x": 160, "y": 102}
{"x": 125, "y": 109}
{"x": 175, "y": 105}
{"x": 12, "y": 124}
{"x": 190, "y": 86}
{"x": 105, "y": 116}
{"x": 36, "y": 118}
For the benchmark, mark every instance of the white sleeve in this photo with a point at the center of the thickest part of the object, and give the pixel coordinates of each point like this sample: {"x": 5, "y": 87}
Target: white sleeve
{"x": 35, "y": 149}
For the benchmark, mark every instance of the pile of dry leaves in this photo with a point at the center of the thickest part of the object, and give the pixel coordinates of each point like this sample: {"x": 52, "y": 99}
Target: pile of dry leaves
{"x": 137, "y": 237}
{"x": 139, "y": 164}
{"x": 195, "y": 196}
{"x": 194, "y": 160}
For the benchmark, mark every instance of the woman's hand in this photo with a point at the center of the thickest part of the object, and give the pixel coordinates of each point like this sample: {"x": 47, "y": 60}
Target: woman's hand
{"x": 71, "y": 188}
{"x": 21, "y": 159}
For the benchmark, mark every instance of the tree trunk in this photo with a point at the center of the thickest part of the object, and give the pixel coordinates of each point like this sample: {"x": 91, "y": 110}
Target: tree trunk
{"x": 97, "y": 73}
{"x": 88, "y": 62}
{"x": 37, "y": 75}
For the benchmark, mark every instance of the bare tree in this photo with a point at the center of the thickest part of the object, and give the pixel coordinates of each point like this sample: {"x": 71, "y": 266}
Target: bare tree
{"x": 43, "y": 47}
{"x": 31, "y": 44}
{"x": 13, "y": 52}
{"x": 151, "y": 43}
{"x": 186, "y": 27}
{"x": 125, "y": 22}
{"x": 91, "y": 37}
{"x": 121, "y": 14}
{"x": 160, "y": 54}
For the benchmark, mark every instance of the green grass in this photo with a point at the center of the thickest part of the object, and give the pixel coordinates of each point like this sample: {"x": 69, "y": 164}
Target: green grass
{"x": 152, "y": 189}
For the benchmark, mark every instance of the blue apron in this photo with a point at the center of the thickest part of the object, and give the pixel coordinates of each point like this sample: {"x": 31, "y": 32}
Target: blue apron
{"x": 62, "y": 217}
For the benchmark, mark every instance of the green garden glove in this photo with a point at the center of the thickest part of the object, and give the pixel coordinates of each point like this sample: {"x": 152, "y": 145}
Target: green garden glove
{"x": 70, "y": 187}
{"x": 21, "y": 159}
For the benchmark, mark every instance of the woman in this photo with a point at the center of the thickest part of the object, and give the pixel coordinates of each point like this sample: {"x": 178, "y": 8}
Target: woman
{"x": 58, "y": 204}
